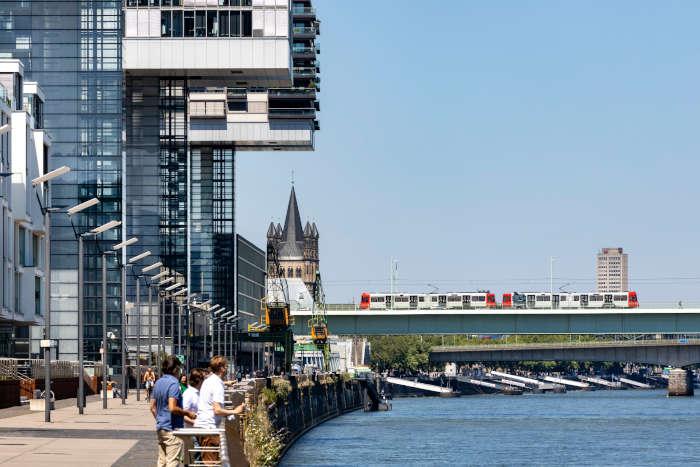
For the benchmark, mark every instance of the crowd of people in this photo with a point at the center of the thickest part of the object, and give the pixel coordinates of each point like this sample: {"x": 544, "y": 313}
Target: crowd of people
{"x": 197, "y": 401}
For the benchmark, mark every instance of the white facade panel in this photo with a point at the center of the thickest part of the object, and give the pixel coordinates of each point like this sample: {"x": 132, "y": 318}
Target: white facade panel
{"x": 64, "y": 304}
{"x": 256, "y": 57}
{"x": 143, "y": 26}
{"x": 154, "y": 23}
{"x": 269, "y": 29}
{"x": 253, "y": 133}
{"x": 282, "y": 23}
{"x": 64, "y": 318}
{"x": 131, "y": 28}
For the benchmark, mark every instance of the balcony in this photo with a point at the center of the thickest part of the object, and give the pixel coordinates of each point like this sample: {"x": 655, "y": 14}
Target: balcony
{"x": 304, "y": 12}
{"x": 304, "y": 51}
{"x": 292, "y": 93}
{"x": 305, "y": 71}
{"x": 304, "y": 32}
{"x": 304, "y": 113}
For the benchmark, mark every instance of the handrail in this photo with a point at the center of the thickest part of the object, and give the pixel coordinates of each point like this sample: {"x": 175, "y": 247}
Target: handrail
{"x": 565, "y": 345}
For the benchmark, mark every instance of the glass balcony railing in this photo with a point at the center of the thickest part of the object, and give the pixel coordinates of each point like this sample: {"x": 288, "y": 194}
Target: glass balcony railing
{"x": 292, "y": 113}
{"x": 303, "y": 50}
{"x": 292, "y": 92}
{"x": 304, "y": 30}
{"x": 304, "y": 70}
{"x": 303, "y": 10}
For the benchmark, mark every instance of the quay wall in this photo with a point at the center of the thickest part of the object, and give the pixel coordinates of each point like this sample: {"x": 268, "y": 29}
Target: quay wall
{"x": 281, "y": 410}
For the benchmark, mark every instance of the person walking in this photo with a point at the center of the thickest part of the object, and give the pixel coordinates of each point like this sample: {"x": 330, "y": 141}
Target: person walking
{"x": 211, "y": 409}
{"x": 166, "y": 408}
{"x": 149, "y": 379}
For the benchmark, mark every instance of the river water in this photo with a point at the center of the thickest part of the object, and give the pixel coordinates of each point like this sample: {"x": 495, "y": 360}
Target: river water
{"x": 621, "y": 428}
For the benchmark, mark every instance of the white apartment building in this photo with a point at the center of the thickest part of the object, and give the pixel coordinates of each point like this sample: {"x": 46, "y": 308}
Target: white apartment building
{"x": 611, "y": 271}
{"x": 23, "y": 156}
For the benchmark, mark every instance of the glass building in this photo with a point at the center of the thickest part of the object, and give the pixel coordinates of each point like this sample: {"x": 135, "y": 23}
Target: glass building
{"x": 148, "y": 102}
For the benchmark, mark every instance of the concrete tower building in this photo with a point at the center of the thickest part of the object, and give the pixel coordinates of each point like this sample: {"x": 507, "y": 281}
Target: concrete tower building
{"x": 297, "y": 248}
{"x": 611, "y": 271}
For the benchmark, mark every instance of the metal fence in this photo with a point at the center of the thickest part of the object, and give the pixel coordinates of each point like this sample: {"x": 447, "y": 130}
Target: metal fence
{"x": 26, "y": 369}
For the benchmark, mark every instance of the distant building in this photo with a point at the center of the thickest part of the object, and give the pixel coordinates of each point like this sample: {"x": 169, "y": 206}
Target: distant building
{"x": 297, "y": 248}
{"x": 611, "y": 270}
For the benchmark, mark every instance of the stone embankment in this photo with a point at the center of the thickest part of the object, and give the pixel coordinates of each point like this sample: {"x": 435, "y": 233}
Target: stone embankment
{"x": 280, "y": 410}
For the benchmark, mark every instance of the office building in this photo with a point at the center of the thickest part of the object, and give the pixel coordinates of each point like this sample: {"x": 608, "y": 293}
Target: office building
{"x": 611, "y": 271}
{"x": 24, "y": 148}
{"x": 148, "y": 102}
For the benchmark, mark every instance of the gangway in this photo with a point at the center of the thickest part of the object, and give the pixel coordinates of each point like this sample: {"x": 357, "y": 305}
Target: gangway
{"x": 533, "y": 382}
{"x": 417, "y": 385}
{"x": 601, "y": 382}
{"x": 510, "y": 382}
{"x": 478, "y": 382}
{"x": 567, "y": 382}
{"x": 636, "y": 384}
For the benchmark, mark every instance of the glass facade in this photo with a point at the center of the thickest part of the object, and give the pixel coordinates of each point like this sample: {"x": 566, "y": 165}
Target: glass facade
{"x": 76, "y": 56}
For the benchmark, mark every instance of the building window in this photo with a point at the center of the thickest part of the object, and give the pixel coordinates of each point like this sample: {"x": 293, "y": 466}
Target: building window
{"x": 189, "y": 23}
{"x": 298, "y": 272}
{"x": 200, "y": 23}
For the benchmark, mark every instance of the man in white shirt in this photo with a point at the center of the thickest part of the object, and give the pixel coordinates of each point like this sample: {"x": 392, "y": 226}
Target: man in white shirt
{"x": 211, "y": 409}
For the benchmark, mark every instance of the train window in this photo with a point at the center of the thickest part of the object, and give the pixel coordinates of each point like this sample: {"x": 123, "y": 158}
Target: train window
{"x": 620, "y": 298}
{"x": 433, "y": 299}
{"x": 466, "y": 298}
{"x": 576, "y": 298}
{"x": 421, "y": 299}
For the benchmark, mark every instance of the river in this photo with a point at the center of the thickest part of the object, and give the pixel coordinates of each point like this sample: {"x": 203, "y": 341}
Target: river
{"x": 622, "y": 428}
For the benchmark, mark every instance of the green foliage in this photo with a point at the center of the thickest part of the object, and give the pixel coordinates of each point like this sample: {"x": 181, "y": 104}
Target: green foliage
{"x": 282, "y": 388}
{"x": 411, "y": 353}
{"x": 346, "y": 377}
{"x": 263, "y": 446}
{"x": 268, "y": 396}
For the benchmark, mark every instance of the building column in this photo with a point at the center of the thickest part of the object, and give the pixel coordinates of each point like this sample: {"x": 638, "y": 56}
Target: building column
{"x": 680, "y": 382}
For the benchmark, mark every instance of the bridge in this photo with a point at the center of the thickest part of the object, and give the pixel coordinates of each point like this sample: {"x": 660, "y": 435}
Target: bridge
{"x": 656, "y": 352}
{"x": 352, "y": 321}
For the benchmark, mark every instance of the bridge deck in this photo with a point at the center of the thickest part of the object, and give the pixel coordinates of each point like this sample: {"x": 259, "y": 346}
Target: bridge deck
{"x": 498, "y": 321}
{"x": 417, "y": 385}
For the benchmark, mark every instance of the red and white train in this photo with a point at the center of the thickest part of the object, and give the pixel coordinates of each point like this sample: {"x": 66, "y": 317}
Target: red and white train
{"x": 432, "y": 301}
{"x": 511, "y": 300}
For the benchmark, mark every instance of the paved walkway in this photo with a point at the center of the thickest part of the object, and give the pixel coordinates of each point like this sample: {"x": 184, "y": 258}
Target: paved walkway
{"x": 119, "y": 435}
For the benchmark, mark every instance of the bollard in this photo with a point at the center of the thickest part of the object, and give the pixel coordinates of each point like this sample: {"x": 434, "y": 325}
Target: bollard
{"x": 680, "y": 383}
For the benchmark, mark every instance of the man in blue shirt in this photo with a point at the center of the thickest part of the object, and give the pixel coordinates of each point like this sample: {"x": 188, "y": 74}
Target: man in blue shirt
{"x": 166, "y": 407}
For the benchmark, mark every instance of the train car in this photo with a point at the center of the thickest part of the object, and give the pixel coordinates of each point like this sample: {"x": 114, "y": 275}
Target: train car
{"x": 569, "y": 300}
{"x": 401, "y": 301}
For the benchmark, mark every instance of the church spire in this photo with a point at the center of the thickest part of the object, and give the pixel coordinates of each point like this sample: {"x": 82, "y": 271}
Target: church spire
{"x": 293, "y": 235}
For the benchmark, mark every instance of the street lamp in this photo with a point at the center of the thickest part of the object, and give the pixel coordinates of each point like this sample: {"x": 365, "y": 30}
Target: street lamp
{"x": 46, "y": 343}
{"x": 81, "y": 332}
{"x": 122, "y": 266}
{"x": 154, "y": 266}
{"x": 133, "y": 260}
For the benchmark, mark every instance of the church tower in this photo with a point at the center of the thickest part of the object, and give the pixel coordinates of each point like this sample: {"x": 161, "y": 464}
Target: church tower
{"x": 297, "y": 247}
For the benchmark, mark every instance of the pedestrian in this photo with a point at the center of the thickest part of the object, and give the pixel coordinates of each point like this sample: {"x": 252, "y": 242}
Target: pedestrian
{"x": 149, "y": 379}
{"x": 183, "y": 383}
{"x": 190, "y": 397}
{"x": 166, "y": 408}
{"x": 211, "y": 407}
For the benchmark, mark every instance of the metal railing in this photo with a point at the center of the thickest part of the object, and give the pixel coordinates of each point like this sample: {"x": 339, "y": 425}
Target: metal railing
{"x": 26, "y": 369}
{"x": 567, "y": 345}
{"x": 292, "y": 113}
{"x": 304, "y": 30}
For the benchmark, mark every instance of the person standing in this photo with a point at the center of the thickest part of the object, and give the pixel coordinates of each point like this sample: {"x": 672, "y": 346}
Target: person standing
{"x": 166, "y": 408}
{"x": 190, "y": 397}
{"x": 149, "y": 379}
{"x": 211, "y": 409}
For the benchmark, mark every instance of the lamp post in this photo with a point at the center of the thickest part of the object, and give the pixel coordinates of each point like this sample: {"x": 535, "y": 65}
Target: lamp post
{"x": 179, "y": 319}
{"x": 46, "y": 343}
{"x": 132, "y": 261}
{"x": 122, "y": 269}
{"x": 151, "y": 284}
{"x": 81, "y": 292}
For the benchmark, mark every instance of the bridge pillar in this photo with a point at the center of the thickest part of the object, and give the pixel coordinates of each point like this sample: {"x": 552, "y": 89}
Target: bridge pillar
{"x": 680, "y": 383}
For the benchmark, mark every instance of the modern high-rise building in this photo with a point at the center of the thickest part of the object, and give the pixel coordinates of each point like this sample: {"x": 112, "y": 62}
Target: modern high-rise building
{"x": 148, "y": 102}
{"x": 611, "y": 271}
{"x": 24, "y": 147}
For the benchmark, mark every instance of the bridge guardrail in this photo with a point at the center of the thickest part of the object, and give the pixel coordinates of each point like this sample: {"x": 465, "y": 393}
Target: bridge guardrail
{"x": 564, "y": 345}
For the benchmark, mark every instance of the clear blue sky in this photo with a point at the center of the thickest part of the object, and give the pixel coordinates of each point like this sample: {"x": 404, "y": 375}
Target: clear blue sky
{"x": 473, "y": 141}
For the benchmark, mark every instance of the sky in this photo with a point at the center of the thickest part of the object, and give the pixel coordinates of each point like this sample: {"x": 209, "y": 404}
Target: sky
{"x": 474, "y": 141}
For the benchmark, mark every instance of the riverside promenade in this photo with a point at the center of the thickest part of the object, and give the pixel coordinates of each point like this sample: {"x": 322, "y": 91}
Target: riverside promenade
{"x": 121, "y": 435}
